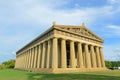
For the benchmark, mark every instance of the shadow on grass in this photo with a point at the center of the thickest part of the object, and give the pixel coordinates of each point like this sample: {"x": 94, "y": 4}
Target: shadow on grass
{"x": 39, "y": 76}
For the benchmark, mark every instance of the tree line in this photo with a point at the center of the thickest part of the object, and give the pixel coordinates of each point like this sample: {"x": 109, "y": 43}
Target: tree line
{"x": 7, "y": 64}
{"x": 11, "y": 64}
{"x": 112, "y": 64}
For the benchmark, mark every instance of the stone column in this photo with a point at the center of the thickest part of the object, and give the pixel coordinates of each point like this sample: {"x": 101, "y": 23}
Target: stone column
{"x": 55, "y": 53}
{"x": 102, "y": 58}
{"x": 87, "y": 57}
{"x": 19, "y": 62}
{"x": 17, "y": 65}
{"x": 48, "y": 54}
{"x": 22, "y": 62}
{"x": 98, "y": 57}
{"x": 16, "y": 61}
{"x": 72, "y": 55}
{"x": 43, "y": 56}
{"x": 35, "y": 57}
{"x": 63, "y": 54}
{"x": 32, "y": 59}
{"x": 39, "y": 56}
{"x": 80, "y": 56}
{"x": 93, "y": 57}
{"x": 26, "y": 59}
{"x": 29, "y": 58}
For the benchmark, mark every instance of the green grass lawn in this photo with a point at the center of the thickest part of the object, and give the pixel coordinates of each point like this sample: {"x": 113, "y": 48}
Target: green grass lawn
{"x": 10, "y": 74}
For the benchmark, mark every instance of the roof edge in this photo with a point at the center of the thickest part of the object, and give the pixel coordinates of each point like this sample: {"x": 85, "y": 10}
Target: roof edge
{"x": 46, "y": 31}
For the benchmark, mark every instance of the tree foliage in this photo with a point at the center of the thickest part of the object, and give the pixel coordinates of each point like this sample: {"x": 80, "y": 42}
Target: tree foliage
{"x": 7, "y": 64}
{"x": 112, "y": 64}
{"x": 108, "y": 64}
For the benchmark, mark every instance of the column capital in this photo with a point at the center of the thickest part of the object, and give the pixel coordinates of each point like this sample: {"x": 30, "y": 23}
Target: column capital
{"x": 63, "y": 38}
{"x": 92, "y": 46}
{"x": 100, "y": 48}
{"x": 79, "y": 42}
{"x": 86, "y": 44}
{"x": 72, "y": 41}
{"x": 55, "y": 37}
{"x": 96, "y": 46}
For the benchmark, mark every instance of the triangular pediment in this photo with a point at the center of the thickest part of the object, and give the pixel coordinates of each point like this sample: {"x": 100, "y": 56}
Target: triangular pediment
{"x": 81, "y": 30}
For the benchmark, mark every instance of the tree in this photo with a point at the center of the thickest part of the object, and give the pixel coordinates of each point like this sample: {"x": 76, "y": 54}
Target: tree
{"x": 115, "y": 63}
{"x": 108, "y": 64}
{"x": 8, "y": 64}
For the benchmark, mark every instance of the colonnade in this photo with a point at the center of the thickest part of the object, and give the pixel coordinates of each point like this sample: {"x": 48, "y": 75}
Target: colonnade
{"x": 54, "y": 53}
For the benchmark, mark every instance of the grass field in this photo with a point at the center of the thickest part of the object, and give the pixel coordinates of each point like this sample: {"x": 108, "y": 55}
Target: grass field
{"x": 10, "y": 74}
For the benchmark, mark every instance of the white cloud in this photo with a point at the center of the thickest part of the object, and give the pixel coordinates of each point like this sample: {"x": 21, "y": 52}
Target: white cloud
{"x": 13, "y": 53}
{"x": 44, "y": 12}
{"x": 113, "y": 30}
{"x": 113, "y": 1}
{"x": 114, "y": 27}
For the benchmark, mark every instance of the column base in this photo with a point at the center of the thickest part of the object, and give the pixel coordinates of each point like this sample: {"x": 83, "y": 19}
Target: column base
{"x": 64, "y": 70}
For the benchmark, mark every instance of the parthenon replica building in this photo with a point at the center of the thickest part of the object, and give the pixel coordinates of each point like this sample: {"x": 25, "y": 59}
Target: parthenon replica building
{"x": 62, "y": 49}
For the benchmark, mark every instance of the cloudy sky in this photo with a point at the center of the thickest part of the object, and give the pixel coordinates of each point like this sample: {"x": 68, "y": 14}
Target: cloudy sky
{"x": 23, "y": 20}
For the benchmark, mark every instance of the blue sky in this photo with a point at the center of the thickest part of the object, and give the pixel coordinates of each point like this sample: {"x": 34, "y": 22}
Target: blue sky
{"x": 23, "y": 20}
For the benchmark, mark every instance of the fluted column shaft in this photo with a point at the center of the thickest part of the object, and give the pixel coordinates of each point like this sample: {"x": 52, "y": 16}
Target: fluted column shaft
{"x": 87, "y": 57}
{"x": 72, "y": 55}
{"x": 102, "y": 58}
{"x": 26, "y": 56}
{"x": 80, "y": 56}
{"x": 63, "y": 53}
{"x": 35, "y": 57}
{"x": 29, "y": 58}
{"x": 48, "y": 54}
{"x": 43, "y": 56}
{"x": 55, "y": 53}
{"x": 32, "y": 60}
{"x": 93, "y": 57}
{"x": 98, "y": 57}
{"x": 24, "y": 60}
{"x": 39, "y": 56}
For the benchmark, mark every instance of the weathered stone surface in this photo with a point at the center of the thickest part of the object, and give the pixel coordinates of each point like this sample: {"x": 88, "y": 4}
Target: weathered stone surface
{"x": 62, "y": 49}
